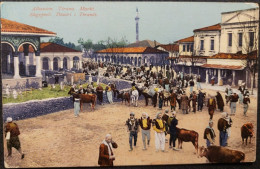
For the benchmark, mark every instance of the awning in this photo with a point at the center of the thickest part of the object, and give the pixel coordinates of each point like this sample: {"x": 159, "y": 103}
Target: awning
{"x": 229, "y": 67}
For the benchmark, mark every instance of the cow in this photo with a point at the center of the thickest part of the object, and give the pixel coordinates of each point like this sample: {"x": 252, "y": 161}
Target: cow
{"x": 219, "y": 154}
{"x": 187, "y": 136}
{"x": 247, "y": 131}
{"x": 86, "y": 98}
{"x": 125, "y": 96}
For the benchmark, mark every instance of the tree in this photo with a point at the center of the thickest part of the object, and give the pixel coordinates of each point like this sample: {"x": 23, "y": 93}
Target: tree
{"x": 59, "y": 40}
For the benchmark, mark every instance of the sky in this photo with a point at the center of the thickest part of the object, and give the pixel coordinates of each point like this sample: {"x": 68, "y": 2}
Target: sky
{"x": 165, "y": 22}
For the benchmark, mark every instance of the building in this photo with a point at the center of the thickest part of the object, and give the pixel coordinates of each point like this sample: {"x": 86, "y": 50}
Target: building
{"x": 14, "y": 36}
{"x": 135, "y": 56}
{"x": 144, "y": 43}
{"x": 227, "y": 51}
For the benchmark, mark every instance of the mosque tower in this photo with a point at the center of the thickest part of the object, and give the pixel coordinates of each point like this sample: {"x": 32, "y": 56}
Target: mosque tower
{"x": 137, "y": 25}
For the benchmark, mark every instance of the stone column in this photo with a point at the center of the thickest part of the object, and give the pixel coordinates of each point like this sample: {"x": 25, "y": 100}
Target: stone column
{"x": 80, "y": 64}
{"x": 8, "y": 63}
{"x": 16, "y": 67}
{"x": 38, "y": 66}
{"x": 27, "y": 65}
{"x": 51, "y": 64}
{"x": 34, "y": 58}
{"x": 61, "y": 63}
{"x": 219, "y": 76}
{"x": 190, "y": 70}
{"x": 207, "y": 76}
{"x": 234, "y": 75}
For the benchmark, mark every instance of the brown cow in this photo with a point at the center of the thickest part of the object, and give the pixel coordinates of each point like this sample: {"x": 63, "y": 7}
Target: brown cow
{"x": 87, "y": 98}
{"x": 247, "y": 131}
{"x": 125, "y": 96}
{"x": 218, "y": 154}
{"x": 187, "y": 136}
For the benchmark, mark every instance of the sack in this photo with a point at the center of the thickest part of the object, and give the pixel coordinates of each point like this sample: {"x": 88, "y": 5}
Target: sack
{"x": 8, "y": 134}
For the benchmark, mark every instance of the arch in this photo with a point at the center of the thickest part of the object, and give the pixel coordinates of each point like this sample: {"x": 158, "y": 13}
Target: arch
{"x": 76, "y": 61}
{"x": 9, "y": 45}
{"x": 65, "y": 63}
{"x": 7, "y": 59}
{"x": 139, "y": 61}
{"x": 35, "y": 49}
{"x": 135, "y": 61}
{"x": 45, "y": 63}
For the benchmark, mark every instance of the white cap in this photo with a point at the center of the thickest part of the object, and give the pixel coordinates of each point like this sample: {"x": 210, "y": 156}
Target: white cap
{"x": 9, "y": 119}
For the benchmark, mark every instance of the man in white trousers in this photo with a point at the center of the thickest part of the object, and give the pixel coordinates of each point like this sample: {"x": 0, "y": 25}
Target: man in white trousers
{"x": 159, "y": 128}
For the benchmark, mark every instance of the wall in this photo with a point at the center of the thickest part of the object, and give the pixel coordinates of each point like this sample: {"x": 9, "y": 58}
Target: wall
{"x": 34, "y": 82}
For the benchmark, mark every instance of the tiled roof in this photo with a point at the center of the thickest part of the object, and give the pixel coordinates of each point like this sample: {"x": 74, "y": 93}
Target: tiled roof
{"x": 144, "y": 43}
{"x": 216, "y": 27}
{"x": 238, "y": 55}
{"x": 16, "y": 27}
{"x": 188, "y": 39}
{"x": 171, "y": 47}
{"x": 216, "y": 66}
{"x": 131, "y": 50}
{"x": 50, "y": 47}
{"x": 53, "y": 47}
{"x": 195, "y": 57}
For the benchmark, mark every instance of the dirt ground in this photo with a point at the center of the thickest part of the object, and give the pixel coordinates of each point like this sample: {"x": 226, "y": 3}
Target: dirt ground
{"x": 61, "y": 140}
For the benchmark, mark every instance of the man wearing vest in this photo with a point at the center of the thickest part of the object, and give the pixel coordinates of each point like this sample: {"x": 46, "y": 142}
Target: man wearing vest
{"x": 11, "y": 135}
{"x": 145, "y": 124}
{"x": 223, "y": 126}
{"x": 233, "y": 103}
{"x": 132, "y": 128}
{"x": 209, "y": 134}
{"x": 159, "y": 128}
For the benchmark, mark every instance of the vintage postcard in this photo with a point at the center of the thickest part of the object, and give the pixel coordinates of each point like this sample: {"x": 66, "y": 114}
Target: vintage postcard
{"x": 88, "y": 84}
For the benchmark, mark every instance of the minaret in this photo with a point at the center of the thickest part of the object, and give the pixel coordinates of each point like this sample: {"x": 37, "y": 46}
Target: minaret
{"x": 137, "y": 25}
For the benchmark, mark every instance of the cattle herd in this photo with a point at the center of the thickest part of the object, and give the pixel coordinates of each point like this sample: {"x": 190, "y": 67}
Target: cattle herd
{"x": 152, "y": 85}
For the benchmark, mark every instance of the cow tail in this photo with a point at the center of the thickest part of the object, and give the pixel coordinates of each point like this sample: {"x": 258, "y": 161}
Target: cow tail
{"x": 242, "y": 156}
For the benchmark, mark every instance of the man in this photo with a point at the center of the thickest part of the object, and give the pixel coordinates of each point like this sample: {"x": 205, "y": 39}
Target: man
{"x": 223, "y": 125}
{"x": 211, "y": 106}
{"x": 72, "y": 89}
{"x": 200, "y": 100}
{"x": 246, "y": 101}
{"x": 109, "y": 93}
{"x": 220, "y": 101}
{"x": 198, "y": 82}
{"x": 194, "y": 101}
{"x": 173, "y": 98}
{"x": 99, "y": 91}
{"x": 106, "y": 155}
{"x": 209, "y": 134}
{"x": 191, "y": 85}
{"x": 145, "y": 124}
{"x": 81, "y": 90}
{"x": 11, "y": 135}
{"x": 212, "y": 80}
{"x": 173, "y": 131}
{"x": 184, "y": 103}
{"x": 159, "y": 128}
{"x": 133, "y": 129}
{"x": 233, "y": 103}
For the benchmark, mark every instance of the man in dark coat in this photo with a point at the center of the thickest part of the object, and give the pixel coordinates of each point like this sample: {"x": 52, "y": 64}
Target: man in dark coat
{"x": 200, "y": 100}
{"x": 106, "y": 155}
{"x": 99, "y": 91}
{"x": 173, "y": 131}
{"x": 184, "y": 103}
{"x": 194, "y": 101}
{"x": 220, "y": 101}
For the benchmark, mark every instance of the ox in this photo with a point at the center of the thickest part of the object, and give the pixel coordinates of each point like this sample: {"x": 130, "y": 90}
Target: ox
{"x": 218, "y": 154}
{"x": 125, "y": 96}
{"x": 86, "y": 98}
{"x": 247, "y": 131}
{"x": 187, "y": 136}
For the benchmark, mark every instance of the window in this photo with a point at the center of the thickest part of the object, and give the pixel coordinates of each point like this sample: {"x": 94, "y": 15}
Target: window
{"x": 184, "y": 48}
{"x": 229, "y": 39}
{"x": 201, "y": 44}
{"x": 240, "y": 35}
{"x": 212, "y": 44}
{"x": 251, "y": 39}
{"x": 188, "y": 48}
{"x": 191, "y": 47}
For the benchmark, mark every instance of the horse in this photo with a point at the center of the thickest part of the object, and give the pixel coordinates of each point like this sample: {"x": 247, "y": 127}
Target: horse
{"x": 134, "y": 97}
{"x": 86, "y": 98}
{"x": 124, "y": 95}
{"x": 142, "y": 91}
